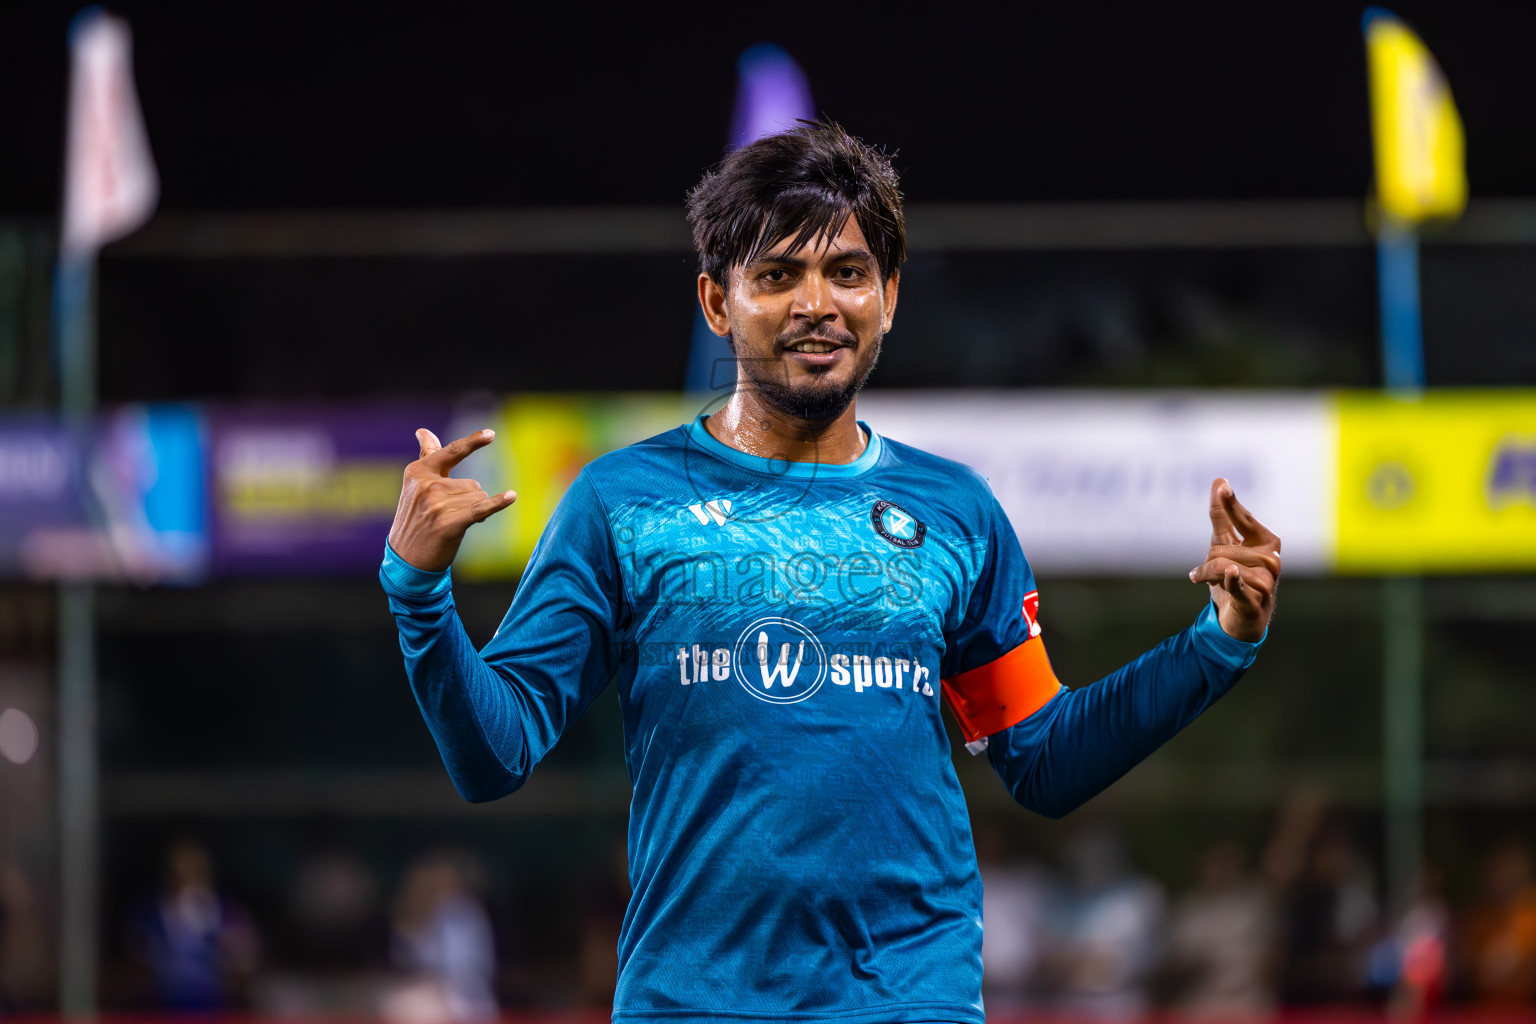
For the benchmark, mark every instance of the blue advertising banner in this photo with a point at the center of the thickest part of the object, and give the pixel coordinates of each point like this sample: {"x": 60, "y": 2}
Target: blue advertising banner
{"x": 121, "y": 499}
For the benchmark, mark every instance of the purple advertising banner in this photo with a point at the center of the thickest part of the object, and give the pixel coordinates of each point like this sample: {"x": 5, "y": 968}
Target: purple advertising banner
{"x": 309, "y": 490}
{"x": 43, "y": 508}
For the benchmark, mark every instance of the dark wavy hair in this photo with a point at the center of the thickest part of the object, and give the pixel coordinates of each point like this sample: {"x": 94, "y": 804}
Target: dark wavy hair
{"x": 800, "y": 184}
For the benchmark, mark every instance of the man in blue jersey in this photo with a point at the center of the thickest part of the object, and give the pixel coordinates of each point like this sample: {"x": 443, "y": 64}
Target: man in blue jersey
{"x": 784, "y": 598}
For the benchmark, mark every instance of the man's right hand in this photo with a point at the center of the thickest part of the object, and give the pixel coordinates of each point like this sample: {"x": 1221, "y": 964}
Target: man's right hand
{"x": 435, "y": 509}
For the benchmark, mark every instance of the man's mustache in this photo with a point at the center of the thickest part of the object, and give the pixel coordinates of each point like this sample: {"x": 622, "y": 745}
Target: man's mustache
{"x": 827, "y": 331}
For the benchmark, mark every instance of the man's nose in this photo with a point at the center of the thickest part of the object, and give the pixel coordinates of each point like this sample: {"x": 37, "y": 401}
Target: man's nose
{"x": 813, "y": 299}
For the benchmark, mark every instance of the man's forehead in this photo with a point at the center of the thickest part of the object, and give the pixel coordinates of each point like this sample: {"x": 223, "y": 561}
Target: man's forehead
{"x": 849, "y": 239}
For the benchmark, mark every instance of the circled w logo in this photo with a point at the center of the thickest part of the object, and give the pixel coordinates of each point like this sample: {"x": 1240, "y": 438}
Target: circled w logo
{"x": 779, "y": 661}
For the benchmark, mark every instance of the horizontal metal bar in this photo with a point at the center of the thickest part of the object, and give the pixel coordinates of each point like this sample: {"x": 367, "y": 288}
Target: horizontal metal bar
{"x": 353, "y": 794}
{"x": 570, "y": 230}
{"x": 950, "y": 227}
{"x": 565, "y": 793}
{"x": 1243, "y": 784}
{"x": 931, "y": 227}
{"x": 1355, "y": 783}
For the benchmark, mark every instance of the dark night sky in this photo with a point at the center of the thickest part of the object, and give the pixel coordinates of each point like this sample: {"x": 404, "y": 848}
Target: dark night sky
{"x": 454, "y": 104}
{"x": 271, "y": 106}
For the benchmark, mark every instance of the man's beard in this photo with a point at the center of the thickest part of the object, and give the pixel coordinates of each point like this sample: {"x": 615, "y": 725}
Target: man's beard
{"x": 818, "y": 400}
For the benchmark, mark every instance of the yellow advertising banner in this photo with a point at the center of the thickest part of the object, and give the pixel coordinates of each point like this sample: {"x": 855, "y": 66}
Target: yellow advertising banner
{"x": 1445, "y": 482}
{"x": 542, "y": 441}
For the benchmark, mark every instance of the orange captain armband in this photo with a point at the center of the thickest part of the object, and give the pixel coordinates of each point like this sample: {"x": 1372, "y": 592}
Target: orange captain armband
{"x": 1001, "y": 693}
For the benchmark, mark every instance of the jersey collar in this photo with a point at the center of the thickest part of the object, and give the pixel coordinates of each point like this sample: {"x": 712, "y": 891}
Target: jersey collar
{"x": 698, "y": 435}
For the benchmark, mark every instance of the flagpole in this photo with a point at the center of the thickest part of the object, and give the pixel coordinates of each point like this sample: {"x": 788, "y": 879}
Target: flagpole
{"x": 79, "y": 803}
{"x": 1402, "y": 331}
{"x": 74, "y": 346}
{"x": 110, "y": 188}
{"x": 1420, "y": 152}
{"x": 1402, "y": 605}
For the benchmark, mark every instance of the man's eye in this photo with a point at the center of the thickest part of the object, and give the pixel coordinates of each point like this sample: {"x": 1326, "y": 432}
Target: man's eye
{"x": 849, "y": 273}
{"x": 774, "y": 276}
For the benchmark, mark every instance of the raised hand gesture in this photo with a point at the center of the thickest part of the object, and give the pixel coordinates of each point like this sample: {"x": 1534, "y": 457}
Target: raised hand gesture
{"x": 435, "y": 509}
{"x": 1242, "y": 567}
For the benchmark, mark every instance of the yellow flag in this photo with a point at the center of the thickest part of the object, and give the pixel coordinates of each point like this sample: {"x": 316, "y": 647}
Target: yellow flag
{"x": 1420, "y": 150}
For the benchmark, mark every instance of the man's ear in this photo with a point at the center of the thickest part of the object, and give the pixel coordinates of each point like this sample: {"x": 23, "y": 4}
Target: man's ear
{"x": 712, "y": 302}
{"x": 888, "y": 310}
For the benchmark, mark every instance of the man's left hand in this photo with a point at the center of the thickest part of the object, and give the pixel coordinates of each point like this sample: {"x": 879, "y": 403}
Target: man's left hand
{"x": 1242, "y": 567}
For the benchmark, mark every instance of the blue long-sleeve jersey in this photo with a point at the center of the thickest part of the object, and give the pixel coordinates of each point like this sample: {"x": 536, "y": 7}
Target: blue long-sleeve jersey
{"x": 799, "y": 847}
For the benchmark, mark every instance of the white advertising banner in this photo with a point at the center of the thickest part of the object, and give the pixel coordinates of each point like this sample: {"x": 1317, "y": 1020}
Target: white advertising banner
{"x": 1119, "y": 483}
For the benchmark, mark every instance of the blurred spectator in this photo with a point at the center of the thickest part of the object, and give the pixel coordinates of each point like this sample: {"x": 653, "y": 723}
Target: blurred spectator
{"x": 442, "y": 935}
{"x": 1015, "y": 901}
{"x": 1221, "y": 940}
{"x": 1106, "y": 931}
{"x": 1500, "y": 931}
{"x": 1410, "y": 962}
{"x": 1297, "y": 825}
{"x": 198, "y": 946}
{"x": 26, "y": 981}
{"x": 1328, "y": 917}
{"x": 335, "y": 906}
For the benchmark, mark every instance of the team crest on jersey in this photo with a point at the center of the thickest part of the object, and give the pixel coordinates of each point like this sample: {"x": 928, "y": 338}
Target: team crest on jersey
{"x": 897, "y": 525}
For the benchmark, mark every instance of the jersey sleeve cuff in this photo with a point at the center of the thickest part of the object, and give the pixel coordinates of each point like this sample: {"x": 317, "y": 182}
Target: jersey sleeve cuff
{"x": 1213, "y": 641}
{"x": 403, "y": 577}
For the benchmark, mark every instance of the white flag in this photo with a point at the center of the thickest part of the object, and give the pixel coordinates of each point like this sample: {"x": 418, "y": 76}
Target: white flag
{"x": 110, "y": 184}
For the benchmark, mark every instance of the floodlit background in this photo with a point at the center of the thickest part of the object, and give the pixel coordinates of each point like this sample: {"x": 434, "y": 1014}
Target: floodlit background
{"x": 1144, "y": 252}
